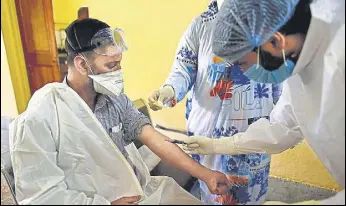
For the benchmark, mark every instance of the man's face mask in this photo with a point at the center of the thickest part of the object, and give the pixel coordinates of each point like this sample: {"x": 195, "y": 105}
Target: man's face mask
{"x": 108, "y": 42}
{"x": 270, "y": 69}
{"x": 109, "y": 83}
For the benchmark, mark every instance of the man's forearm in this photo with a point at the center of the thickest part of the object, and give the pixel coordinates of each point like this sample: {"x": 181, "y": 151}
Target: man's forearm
{"x": 171, "y": 153}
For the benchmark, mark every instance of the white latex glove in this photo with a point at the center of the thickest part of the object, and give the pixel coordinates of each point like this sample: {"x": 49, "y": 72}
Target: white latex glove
{"x": 161, "y": 97}
{"x": 206, "y": 145}
{"x": 209, "y": 146}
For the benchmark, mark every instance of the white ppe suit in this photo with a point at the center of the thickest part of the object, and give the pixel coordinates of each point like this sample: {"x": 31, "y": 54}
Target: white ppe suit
{"x": 62, "y": 155}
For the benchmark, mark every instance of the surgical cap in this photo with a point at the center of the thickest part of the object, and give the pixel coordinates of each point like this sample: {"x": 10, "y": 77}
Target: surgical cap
{"x": 243, "y": 25}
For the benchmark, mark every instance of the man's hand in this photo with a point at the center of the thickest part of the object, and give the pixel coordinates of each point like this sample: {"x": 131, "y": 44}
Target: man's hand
{"x": 161, "y": 97}
{"x": 127, "y": 201}
{"x": 199, "y": 145}
{"x": 217, "y": 182}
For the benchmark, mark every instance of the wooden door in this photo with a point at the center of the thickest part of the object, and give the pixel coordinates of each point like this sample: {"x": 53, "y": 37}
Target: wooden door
{"x": 36, "y": 26}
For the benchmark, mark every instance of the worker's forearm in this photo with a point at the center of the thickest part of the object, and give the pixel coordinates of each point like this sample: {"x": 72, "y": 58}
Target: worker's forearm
{"x": 261, "y": 137}
{"x": 171, "y": 153}
{"x": 232, "y": 146}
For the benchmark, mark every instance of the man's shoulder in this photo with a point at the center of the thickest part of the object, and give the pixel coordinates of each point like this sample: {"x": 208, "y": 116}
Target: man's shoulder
{"x": 121, "y": 99}
{"x": 203, "y": 22}
{"x": 209, "y": 14}
{"x": 41, "y": 103}
{"x": 47, "y": 91}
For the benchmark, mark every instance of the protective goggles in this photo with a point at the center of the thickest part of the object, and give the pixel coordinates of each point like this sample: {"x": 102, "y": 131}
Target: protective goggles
{"x": 106, "y": 42}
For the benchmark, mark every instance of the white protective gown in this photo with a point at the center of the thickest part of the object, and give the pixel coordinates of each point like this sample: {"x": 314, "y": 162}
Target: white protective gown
{"x": 62, "y": 155}
{"x": 312, "y": 104}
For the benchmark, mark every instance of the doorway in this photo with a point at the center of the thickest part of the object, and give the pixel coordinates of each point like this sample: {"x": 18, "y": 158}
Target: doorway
{"x": 36, "y": 25}
{"x": 43, "y": 46}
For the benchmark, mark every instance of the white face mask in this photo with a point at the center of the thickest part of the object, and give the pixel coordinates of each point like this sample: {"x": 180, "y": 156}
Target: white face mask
{"x": 110, "y": 83}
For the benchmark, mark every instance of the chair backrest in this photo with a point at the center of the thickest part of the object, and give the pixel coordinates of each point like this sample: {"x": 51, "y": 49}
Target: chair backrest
{"x": 7, "y": 177}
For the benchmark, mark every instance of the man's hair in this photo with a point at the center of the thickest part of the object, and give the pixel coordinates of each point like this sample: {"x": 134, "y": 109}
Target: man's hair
{"x": 300, "y": 21}
{"x": 90, "y": 55}
{"x": 298, "y": 24}
{"x": 78, "y": 38}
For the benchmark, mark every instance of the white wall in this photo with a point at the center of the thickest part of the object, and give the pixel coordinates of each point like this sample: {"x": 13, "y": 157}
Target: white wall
{"x": 8, "y": 101}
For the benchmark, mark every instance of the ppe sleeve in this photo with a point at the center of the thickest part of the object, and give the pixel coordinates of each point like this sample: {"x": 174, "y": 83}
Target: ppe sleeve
{"x": 133, "y": 121}
{"x": 272, "y": 136}
{"x": 38, "y": 178}
{"x": 184, "y": 71}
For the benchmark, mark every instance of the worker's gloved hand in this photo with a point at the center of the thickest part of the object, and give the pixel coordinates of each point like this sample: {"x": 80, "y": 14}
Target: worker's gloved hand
{"x": 310, "y": 202}
{"x": 161, "y": 97}
{"x": 209, "y": 146}
{"x": 217, "y": 183}
{"x": 221, "y": 145}
{"x": 127, "y": 201}
{"x": 199, "y": 145}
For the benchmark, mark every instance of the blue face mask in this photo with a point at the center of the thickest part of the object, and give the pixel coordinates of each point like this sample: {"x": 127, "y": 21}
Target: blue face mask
{"x": 259, "y": 74}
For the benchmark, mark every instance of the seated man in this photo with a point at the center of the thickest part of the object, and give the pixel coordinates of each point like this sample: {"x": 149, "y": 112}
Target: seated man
{"x": 73, "y": 143}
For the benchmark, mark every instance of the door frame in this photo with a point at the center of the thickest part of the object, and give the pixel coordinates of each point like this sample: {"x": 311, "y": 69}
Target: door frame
{"x": 15, "y": 54}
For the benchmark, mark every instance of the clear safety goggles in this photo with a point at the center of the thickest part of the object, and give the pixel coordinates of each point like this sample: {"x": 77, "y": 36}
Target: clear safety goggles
{"x": 109, "y": 42}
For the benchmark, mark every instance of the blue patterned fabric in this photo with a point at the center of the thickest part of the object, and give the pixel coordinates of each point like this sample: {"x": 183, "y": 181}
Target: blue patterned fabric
{"x": 221, "y": 101}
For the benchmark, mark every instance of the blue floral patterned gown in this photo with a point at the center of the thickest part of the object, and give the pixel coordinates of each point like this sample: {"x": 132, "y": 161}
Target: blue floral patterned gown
{"x": 221, "y": 102}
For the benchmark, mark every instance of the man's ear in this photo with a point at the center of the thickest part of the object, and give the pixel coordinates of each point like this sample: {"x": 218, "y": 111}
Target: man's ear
{"x": 80, "y": 65}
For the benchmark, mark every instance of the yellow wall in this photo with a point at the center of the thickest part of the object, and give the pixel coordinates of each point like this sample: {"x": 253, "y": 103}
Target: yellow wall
{"x": 302, "y": 165}
{"x": 15, "y": 55}
{"x": 153, "y": 28}
{"x": 8, "y": 101}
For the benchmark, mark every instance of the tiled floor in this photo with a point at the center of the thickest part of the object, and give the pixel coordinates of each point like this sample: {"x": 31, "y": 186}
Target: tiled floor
{"x": 6, "y": 196}
{"x": 290, "y": 192}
